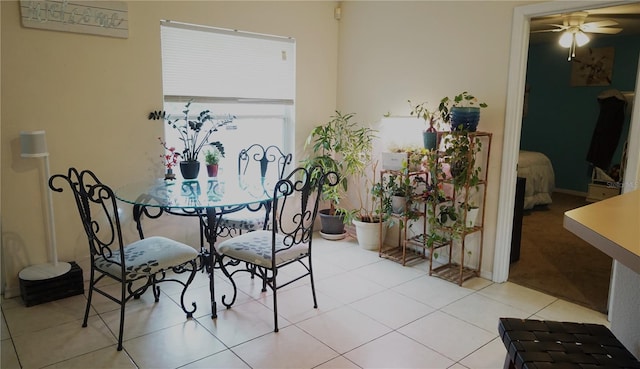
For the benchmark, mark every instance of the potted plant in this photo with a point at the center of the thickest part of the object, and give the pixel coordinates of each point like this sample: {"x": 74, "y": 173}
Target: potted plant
{"x": 344, "y": 147}
{"x": 462, "y": 111}
{"x": 397, "y": 188}
{"x": 194, "y": 133}
{"x": 433, "y": 194}
{"x": 374, "y": 207}
{"x": 212, "y": 158}
{"x": 463, "y": 175}
{"x": 431, "y": 119}
{"x": 405, "y": 158}
{"x": 460, "y": 151}
{"x": 472, "y": 214}
{"x": 169, "y": 159}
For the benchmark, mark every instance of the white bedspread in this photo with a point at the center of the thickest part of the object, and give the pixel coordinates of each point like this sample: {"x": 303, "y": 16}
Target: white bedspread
{"x": 537, "y": 169}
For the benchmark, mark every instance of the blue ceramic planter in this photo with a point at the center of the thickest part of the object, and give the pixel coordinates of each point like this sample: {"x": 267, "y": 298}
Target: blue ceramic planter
{"x": 467, "y": 117}
{"x": 429, "y": 139}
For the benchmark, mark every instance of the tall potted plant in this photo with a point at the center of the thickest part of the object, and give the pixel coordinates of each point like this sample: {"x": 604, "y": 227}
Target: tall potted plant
{"x": 344, "y": 147}
{"x": 194, "y": 133}
{"x": 374, "y": 207}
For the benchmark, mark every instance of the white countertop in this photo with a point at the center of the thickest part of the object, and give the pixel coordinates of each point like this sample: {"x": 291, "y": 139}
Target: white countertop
{"x": 612, "y": 226}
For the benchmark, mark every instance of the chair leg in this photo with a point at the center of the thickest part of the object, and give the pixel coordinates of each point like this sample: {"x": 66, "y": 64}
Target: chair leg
{"x": 122, "y": 304}
{"x": 226, "y": 273}
{"x": 274, "y": 288}
{"x": 192, "y": 275}
{"x": 155, "y": 288}
{"x": 313, "y": 285}
{"x": 89, "y": 297}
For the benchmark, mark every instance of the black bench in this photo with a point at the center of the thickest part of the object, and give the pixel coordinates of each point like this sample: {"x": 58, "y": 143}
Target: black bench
{"x": 542, "y": 344}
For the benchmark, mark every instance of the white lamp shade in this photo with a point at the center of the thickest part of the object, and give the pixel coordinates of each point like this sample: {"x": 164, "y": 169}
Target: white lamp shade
{"x": 33, "y": 144}
{"x": 581, "y": 38}
{"x": 566, "y": 39}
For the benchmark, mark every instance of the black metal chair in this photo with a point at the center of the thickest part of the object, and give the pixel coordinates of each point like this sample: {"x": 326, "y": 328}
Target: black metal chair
{"x": 145, "y": 262}
{"x": 256, "y": 161}
{"x": 265, "y": 252}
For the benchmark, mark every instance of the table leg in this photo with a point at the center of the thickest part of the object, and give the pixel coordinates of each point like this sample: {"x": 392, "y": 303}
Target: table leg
{"x": 210, "y": 231}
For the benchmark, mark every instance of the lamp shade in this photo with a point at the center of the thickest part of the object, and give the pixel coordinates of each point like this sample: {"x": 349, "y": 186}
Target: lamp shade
{"x": 581, "y": 38}
{"x": 566, "y": 39}
{"x": 33, "y": 144}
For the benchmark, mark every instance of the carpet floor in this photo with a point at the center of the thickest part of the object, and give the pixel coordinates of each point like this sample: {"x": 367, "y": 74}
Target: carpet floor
{"x": 555, "y": 261}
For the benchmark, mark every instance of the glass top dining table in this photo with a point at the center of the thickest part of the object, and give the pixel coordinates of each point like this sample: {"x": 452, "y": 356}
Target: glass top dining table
{"x": 205, "y": 198}
{"x": 225, "y": 195}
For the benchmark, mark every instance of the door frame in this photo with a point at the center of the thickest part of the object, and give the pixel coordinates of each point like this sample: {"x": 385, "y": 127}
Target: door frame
{"x": 511, "y": 139}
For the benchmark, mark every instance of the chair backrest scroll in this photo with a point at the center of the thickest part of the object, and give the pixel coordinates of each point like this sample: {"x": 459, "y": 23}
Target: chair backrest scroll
{"x": 296, "y": 202}
{"x": 97, "y": 208}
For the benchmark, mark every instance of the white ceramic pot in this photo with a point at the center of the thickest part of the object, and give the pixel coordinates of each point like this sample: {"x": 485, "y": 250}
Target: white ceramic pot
{"x": 397, "y": 204}
{"x": 368, "y": 234}
{"x": 472, "y": 216}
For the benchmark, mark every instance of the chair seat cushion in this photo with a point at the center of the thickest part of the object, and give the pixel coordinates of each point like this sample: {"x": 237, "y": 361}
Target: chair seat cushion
{"x": 147, "y": 257}
{"x": 255, "y": 248}
{"x": 244, "y": 219}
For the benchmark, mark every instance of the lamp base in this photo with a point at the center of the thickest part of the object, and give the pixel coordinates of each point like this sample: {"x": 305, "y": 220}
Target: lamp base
{"x": 44, "y": 271}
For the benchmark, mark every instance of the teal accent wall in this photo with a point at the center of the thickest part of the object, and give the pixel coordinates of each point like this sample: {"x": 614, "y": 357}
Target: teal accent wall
{"x": 560, "y": 118}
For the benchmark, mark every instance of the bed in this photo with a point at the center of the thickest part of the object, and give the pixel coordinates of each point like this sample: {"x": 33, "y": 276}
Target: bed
{"x": 537, "y": 169}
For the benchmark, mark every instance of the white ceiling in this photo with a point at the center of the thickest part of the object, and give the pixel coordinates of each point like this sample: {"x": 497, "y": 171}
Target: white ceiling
{"x": 627, "y": 16}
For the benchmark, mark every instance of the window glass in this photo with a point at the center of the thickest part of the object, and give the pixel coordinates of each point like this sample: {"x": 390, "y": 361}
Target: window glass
{"x": 249, "y": 76}
{"x": 265, "y": 124}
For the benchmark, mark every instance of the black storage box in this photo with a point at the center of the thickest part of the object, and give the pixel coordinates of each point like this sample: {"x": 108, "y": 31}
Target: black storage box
{"x": 38, "y": 292}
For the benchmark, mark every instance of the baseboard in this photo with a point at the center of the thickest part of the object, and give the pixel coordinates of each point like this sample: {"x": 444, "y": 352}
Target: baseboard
{"x": 11, "y": 292}
{"x": 571, "y": 192}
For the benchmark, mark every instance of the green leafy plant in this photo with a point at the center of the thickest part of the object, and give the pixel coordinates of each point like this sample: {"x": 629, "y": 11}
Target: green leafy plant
{"x": 213, "y": 155}
{"x": 460, "y": 153}
{"x": 194, "y": 132}
{"x": 415, "y": 156}
{"x": 463, "y": 99}
{"x": 460, "y": 149}
{"x": 344, "y": 147}
{"x": 374, "y": 200}
{"x": 431, "y": 117}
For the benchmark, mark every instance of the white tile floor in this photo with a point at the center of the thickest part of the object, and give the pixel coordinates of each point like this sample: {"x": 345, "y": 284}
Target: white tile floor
{"x": 373, "y": 313}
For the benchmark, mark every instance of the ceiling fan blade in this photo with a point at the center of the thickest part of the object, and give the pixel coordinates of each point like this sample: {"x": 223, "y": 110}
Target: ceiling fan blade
{"x": 535, "y": 28}
{"x": 607, "y": 30}
{"x": 602, "y": 23}
{"x": 547, "y": 30}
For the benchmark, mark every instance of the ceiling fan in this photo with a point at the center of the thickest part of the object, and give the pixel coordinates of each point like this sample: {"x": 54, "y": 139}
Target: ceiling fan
{"x": 574, "y": 30}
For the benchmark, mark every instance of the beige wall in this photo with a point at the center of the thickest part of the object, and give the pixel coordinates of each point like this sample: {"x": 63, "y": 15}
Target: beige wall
{"x": 92, "y": 94}
{"x": 423, "y": 51}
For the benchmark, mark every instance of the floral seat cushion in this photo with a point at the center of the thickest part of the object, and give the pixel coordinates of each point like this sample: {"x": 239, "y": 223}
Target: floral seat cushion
{"x": 255, "y": 248}
{"x": 147, "y": 257}
{"x": 245, "y": 220}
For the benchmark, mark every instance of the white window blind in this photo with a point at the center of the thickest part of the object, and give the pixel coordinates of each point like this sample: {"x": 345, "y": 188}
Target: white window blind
{"x": 220, "y": 63}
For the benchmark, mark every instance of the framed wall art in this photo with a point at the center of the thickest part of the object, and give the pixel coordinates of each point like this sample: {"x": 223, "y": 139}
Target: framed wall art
{"x": 592, "y": 66}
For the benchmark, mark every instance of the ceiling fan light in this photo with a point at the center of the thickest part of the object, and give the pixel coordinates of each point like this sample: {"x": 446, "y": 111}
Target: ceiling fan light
{"x": 581, "y": 38}
{"x": 566, "y": 39}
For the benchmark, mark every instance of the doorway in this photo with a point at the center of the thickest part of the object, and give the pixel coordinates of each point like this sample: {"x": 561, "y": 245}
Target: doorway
{"x": 515, "y": 103}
